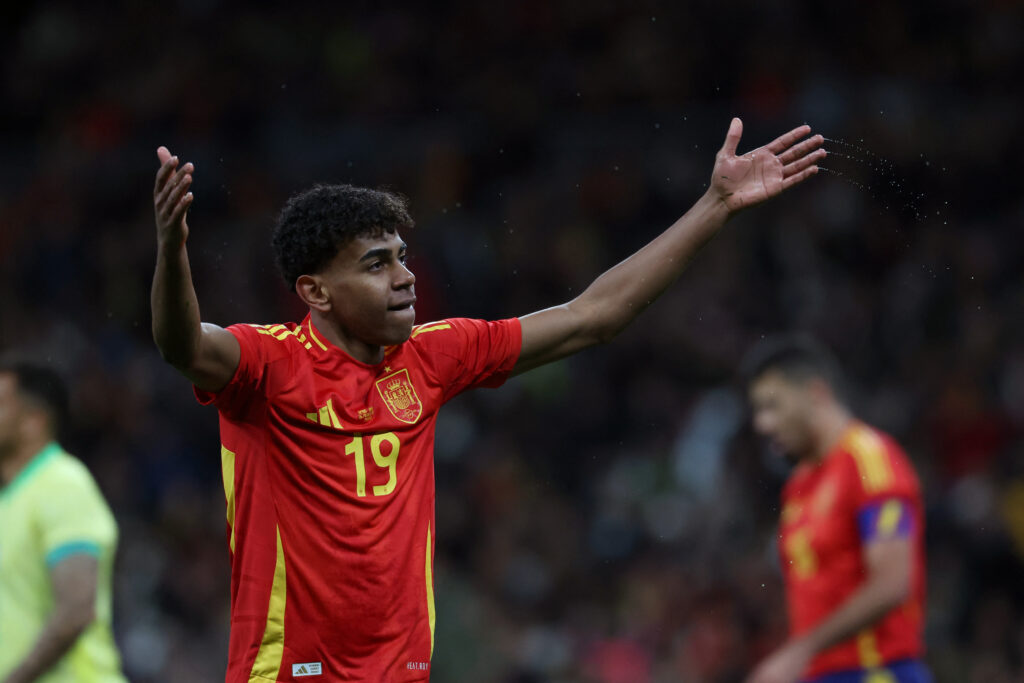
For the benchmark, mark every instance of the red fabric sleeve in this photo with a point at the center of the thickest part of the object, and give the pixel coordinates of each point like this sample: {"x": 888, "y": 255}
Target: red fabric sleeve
{"x": 239, "y": 396}
{"x": 473, "y": 353}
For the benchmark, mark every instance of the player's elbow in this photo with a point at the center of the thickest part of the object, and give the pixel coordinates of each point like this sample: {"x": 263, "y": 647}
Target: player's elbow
{"x": 83, "y": 618}
{"x": 74, "y": 619}
{"x": 895, "y": 590}
{"x": 181, "y": 354}
{"x": 596, "y": 324}
{"x": 901, "y": 591}
{"x": 172, "y": 352}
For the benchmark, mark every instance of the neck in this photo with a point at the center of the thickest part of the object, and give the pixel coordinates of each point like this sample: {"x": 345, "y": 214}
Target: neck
{"x": 370, "y": 354}
{"x": 832, "y": 424}
{"x": 14, "y": 460}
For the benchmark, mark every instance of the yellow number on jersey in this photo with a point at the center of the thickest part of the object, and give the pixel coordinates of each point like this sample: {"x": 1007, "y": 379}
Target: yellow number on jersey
{"x": 355, "y": 447}
{"x": 801, "y": 555}
{"x": 389, "y": 461}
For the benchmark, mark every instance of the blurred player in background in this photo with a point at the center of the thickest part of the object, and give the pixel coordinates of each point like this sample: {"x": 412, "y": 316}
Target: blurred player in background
{"x": 57, "y": 542}
{"x": 327, "y": 426}
{"x": 851, "y": 534}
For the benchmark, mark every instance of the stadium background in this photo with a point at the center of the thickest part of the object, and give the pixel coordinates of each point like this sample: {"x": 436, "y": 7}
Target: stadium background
{"x": 608, "y": 518}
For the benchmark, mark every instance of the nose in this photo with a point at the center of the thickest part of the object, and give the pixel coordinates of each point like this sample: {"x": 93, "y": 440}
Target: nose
{"x": 404, "y": 277}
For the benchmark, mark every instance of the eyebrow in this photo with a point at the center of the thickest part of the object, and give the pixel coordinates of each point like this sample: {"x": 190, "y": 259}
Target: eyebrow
{"x": 381, "y": 252}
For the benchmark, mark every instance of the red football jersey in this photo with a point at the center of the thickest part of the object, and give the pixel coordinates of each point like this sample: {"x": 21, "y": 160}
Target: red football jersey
{"x": 329, "y": 477}
{"x": 863, "y": 488}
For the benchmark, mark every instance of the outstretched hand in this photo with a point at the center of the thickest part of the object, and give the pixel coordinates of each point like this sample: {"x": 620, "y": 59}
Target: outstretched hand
{"x": 742, "y": 181}
{"x": 171, "y": 198}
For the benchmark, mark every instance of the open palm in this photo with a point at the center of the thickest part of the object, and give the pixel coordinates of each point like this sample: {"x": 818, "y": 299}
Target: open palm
{"x": 742, "y": 181}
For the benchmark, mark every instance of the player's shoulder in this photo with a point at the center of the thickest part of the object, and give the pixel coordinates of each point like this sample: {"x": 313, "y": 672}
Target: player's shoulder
{"x": 62, "y": 465}
{"x": 278, "y": 340}
{"x": 63, "y": 474}
{"x": 866, "y": 441}
{"x": 449, "y": 329}
{"x": 875, "y": 458}
{"x": 438, "y": 332}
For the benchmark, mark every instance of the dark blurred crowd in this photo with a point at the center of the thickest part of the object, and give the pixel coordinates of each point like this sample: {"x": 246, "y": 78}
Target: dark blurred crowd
{"x": 610, "y": 518}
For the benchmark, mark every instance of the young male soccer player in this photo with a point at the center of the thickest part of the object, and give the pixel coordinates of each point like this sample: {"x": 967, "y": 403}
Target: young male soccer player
{"x": 851, "y": 532}
{"x": 327, "y": 425}
{"x": 57, "y": 541}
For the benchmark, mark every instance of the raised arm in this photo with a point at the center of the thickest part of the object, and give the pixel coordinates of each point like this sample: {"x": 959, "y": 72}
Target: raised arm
{"x": 207, "y": 354}
{"x": 612, "y": 301}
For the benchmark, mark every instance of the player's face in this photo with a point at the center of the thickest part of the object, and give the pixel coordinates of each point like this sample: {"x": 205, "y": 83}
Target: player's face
{"x": 371, "y": 291}
{"x": 782, "y": 413}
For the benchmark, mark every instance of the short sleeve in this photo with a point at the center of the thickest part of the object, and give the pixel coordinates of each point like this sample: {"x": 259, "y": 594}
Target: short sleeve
{"x": 76, "y": 521}
{"x": 473, "y": 353}
{"x": 886, "y": 519}
{"x": 238, "y": 396}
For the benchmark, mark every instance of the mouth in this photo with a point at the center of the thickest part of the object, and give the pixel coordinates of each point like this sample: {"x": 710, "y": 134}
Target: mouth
{"x": 404, "y": 305}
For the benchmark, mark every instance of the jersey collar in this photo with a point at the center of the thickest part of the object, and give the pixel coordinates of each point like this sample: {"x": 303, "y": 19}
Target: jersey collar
{"x": 38, "y": 460}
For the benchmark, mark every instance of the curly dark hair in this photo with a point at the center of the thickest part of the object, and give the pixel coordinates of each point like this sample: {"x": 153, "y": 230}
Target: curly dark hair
{"x": 316, "y": 223}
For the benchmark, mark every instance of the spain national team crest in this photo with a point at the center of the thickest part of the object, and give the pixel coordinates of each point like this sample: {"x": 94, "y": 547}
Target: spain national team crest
{"x": 400, "y": 396}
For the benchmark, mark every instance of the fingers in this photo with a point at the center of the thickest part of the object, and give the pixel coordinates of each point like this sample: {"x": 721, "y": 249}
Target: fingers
{"x": 166, "y": 202}
{"x": 181, "y": 208}
{"x": 798, "y": 177}
{"x": 783, "y": 142}
{"x": 173, "y": 184}
{"x": 799, "y": 150}
{"x": 802, "y": 163}
{"x": 177, "y": 189}
{"x": 167, "y": 165}
{"x": 732, "y": 138}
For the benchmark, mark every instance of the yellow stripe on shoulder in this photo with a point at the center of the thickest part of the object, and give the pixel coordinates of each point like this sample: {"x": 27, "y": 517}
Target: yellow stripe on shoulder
{"x": 282, "y": 333}
{"x": 430, "y": 327}
{"x": 872, "y": 458}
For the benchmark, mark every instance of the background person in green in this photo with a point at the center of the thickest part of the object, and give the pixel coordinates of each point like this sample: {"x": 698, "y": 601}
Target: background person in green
{"x": 57, "y": 541}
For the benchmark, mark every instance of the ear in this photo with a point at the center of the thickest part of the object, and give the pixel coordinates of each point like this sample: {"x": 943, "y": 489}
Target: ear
{"x": 311, "y": 290}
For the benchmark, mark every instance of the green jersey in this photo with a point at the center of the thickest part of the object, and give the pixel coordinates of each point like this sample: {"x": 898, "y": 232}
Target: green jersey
{"x": 50, "y": 510}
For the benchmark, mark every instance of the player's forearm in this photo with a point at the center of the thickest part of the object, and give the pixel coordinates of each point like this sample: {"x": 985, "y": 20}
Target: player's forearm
{"x": 615, "y": 298}
{"x": 870, "y": 603}
{"x": 62, "y": 629}
{"x": 176, "y": 324}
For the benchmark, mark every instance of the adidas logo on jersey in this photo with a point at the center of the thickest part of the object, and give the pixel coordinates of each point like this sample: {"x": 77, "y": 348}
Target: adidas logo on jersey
{"x": 307, "y": 669}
